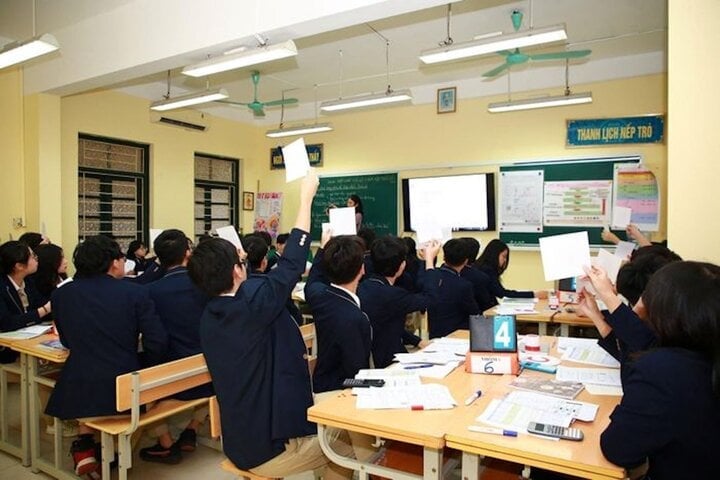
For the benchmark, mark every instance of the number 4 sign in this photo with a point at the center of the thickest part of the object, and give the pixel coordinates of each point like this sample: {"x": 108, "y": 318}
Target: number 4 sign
{"x": 504, "y": 338}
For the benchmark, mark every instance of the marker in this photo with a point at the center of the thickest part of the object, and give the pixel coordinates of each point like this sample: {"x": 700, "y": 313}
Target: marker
{"x": 469, "y": 400}
{"x": 493, "y": 431}
{"x": 418, "y": 365}
{"x": 417, "y": 407}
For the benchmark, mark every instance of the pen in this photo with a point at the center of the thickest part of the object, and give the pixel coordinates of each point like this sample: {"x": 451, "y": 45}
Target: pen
{"x": 418, "y": 365}
{"x": 472, "y": 398}
{"x": 494, "y": 431}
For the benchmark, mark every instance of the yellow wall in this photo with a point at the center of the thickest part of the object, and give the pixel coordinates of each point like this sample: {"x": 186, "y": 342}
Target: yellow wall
{"x": 693, "y": 147}
{"x": 12, "y": 181}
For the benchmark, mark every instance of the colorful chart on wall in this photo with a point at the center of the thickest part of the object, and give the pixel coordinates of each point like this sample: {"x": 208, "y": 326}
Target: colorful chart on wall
{"x": 636, "y": 188}
{"x": 268, "y": 207}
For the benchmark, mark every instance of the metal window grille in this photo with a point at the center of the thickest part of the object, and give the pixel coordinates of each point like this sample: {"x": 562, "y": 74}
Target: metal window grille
{"x": 216, "y": 193}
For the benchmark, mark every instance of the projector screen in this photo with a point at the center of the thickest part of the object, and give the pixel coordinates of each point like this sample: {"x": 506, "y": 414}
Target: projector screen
{"x": 463, "y": 202}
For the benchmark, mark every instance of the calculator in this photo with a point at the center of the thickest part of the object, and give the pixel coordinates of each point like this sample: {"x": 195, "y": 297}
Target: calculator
{"x": 555, "y": 431}
{"x": 364, "y": 382}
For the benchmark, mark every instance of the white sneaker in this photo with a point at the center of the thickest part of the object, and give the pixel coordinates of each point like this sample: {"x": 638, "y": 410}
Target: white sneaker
{"x": 68, "y": 429}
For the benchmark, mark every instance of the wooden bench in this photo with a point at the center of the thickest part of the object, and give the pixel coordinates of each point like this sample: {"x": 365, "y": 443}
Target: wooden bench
{"x": 142, "y": 387}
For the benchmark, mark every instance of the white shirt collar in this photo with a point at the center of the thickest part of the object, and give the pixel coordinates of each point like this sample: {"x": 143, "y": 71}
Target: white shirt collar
{"x": 352, "y": 295}
{"x": 15, "y": 284}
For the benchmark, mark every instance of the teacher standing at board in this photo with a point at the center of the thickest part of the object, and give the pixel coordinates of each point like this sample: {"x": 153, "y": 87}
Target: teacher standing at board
{"x": 354, "y": 201}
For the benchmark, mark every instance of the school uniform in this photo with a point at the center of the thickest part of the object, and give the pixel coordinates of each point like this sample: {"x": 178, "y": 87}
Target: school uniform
{"x": 292, "y": 309}
{"x": 180, "y": 304}
{"x": 258, "y": 362}
{"x": 12, "y": 313}
{"x": 99, "y": 319}
{"x": 454, "y": 306}
{"x": 386, "y": 306}
{"x": 481, "y": 286}
{"x": 411, "y": 277}
{"x": 343, "y": 331}
{"x": 668, "y": 415}
{"x": 496, "y": 289}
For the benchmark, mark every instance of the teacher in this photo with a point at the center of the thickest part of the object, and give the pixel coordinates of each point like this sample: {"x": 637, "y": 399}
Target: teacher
{"x": 354, "y": 201}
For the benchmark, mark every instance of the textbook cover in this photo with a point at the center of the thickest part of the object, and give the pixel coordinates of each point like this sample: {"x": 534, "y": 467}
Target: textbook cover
{"x": 54, "y": 344}
{"x": 548, "y": 386}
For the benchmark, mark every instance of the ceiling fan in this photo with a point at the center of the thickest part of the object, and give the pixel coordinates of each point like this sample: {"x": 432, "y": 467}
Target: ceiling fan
{"x": 516, "y": 57}
{"x": 258, "y": 107}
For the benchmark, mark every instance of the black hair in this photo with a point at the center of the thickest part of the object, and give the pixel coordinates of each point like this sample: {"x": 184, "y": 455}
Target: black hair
{"x": 133, "y": 247}
{"x": 282, "y": 238}
{"x": 13, "y": 252}
{"x": 682, "y": 301}
{"x": 387, "y": 254}
{"x": 358, "y": 203}
{"x": 204, "y": 236}
{"x": 31, "y": 239}
{"x": 94, "y": 256}
{"x": 633, "y": 277}
{"x": 46, "y": 278}
{"x": 655, "y": 249}
{"x": 367, "y": 235}
{"x": 473, "y": 248}
{"x": 211, "y": 266}
{"x": 343, "y": 258}
{"x": 256, "y": 249}
{"x": 412, "y": 266}
{"x": 454, "y": 252}
{"x": 265, "y": 236}
{"x": 170, "y": 247}
{"x": 490, "y": 256}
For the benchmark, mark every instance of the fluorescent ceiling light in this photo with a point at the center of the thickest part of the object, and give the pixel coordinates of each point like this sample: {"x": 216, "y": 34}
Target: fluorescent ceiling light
{"x": 18, "y": 52}
{"x": 299, "y": 130}
{"x": 191, "y": 99}
{"x": 246, "y": 58}
{"x": 366, "y": 100}
{"x": 484, "y": 46}
{"x": 543, "y": 102}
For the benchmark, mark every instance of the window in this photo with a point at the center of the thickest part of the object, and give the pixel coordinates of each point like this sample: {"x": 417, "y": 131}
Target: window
{"x": 112, "y": 189}
{"x": 216, "y": 193}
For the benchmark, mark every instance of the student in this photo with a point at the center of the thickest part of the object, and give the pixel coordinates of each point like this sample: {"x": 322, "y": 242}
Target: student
{"x": 493, "y": 262}
{"x": 386, "y": 304}
{"x": 455, "y": 294}
{"x": 632, "y": 232}
{"x": 368, "y": 236}
{"x": 179, "y": 304}
{"x": 414, "y": 267}
{"x": 669, "y": 415}
{"x": 21, "y": 305}
{"x": 52, "y": 269}
{"x": 480, "y": 281}
{"x": 343, "y": 331}
{"x": 99, "y": 317}
{"x": 354, "y": 201}
{"x": 136, "y": 252}
{"x": 256, "y": 355}
{"x": 257, "y": 250}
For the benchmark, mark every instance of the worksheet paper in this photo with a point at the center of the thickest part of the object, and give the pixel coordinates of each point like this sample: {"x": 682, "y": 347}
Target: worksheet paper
{"x": 27, "y": 332}
{"x": 342, "y": 221}
{"x": 231, "y": 235}
{"x": 608, "y": 262}
{"x": 519, "y": 408}
{"x": 458, "y": 346}
{"x": 421, "y": 397}
{"x": 621, "y": 217}
{"x": 297, "y": 163}
{"x": 591, "y": 355}
{"x": 598, "y": 376}
{"x": 427, "y": 232}
{"x": 565, "y": 255}
{"x": 624, "y": 249}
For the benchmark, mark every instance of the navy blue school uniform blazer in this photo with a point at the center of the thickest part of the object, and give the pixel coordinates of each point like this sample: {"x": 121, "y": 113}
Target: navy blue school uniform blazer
{"x": 386, "y": 306}
{"x": 411, "y": 278}
{"x": 454, "y": 306}
{"x": 99, "y": 319}
{"x": 292, "y": 309}
{"x": 669, "y": 415}
{"x": 258, "y": 362}
{"x": 496, "y": 289}
{"x": 180, "y": 304}
{"x": 12, "y": 313}
{"x": 481, "y": 286}
{"x": 343, "y": 331}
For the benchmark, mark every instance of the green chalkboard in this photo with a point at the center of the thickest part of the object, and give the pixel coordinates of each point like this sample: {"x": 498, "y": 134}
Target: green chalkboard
{"x": 378, "y": 192}
{"x": 565, "y": 170}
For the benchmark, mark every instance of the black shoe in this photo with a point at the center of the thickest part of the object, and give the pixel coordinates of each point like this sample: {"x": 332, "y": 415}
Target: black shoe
{"x": 158, "y": 453}
{"x": 83, "y": 454}
{"x": 187, "y": 442}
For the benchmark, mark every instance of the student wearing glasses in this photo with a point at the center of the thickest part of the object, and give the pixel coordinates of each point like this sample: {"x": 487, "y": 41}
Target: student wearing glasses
{"x": 21, "y": 304}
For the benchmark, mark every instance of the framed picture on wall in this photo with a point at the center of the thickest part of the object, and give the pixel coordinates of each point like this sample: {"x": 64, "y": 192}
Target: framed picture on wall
{"x": 248, "y": 201}
{"x": 446, "y": 100}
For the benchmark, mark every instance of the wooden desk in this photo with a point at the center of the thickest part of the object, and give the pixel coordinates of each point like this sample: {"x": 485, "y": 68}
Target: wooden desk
{"x": 565, "y": 316}
{"x": 21, "y": 451}
{"x": 31, "y": 352}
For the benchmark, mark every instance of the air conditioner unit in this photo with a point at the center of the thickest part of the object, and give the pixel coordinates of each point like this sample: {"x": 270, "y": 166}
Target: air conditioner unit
{"x": 188, "y": 119}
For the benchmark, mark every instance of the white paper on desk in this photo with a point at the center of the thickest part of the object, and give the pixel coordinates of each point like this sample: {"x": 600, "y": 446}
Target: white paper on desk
{"x": 434, "y": 371}
{"x": 624, "y": 249}
{"x": 154, "y": 233}
{"x": 606, "y": 390}
{"x": 564, "y": 342}
{"x": 342, "y": 221}
{"x": 229, "y": 233}
{"x": 608, "y": 262}
{"x": 565, "y": 255}
{"x": 591, "y": 355}
{"x": 27, "y": 332}
{"x": 458, "y": 346}
{"x": 430, "y": 397}
{"x": 427, "y": 232}
{"x": 515, "y": 310}
{"x": 297, "y": 163}
{"x": 621, "y": 217}
{"x": 433, "y": 357}
{"x": 597, "y": 376}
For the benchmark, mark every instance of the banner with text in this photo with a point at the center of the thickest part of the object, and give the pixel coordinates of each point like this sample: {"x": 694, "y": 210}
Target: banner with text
{"x": 612, "y": 131}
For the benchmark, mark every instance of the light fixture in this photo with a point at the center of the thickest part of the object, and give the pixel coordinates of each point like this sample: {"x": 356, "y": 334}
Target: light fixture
{"x": 484, "y": 46}
{"x": 567, "y": 98}
{"x": 18, "y": 52}
{"x": 190, "y": 99}
{"x": 389, "y": 96}
{"x": 283, "y": 131}
{"x": 231, "y": 61}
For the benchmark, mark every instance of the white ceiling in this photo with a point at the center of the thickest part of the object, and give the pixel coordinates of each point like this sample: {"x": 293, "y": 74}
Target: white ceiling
{"x": 130, "y": 44}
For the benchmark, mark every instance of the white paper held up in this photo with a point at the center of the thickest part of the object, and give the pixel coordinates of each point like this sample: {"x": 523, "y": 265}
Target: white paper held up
{"x": 427, "y": 232}
{"x": 565, "y": 255}
{"x": 342, "y": 221}
{"x": 621, "y": 217}
{"x": 229, "y": 233}
{"x": 297, "y": 163}
{"x": 624, "y": 249}
{"x": 608, "y": 262}
{"x": 154, "y": 233}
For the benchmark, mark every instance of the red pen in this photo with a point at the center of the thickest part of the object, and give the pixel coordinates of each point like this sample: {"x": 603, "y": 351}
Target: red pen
{"x": 417, "y": 407}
